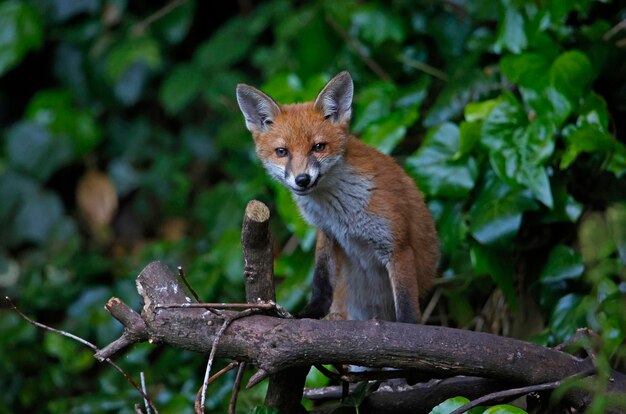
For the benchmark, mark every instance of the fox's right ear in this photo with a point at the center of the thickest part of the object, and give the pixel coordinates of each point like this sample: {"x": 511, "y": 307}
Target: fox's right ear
{"x": 258, "y": 108}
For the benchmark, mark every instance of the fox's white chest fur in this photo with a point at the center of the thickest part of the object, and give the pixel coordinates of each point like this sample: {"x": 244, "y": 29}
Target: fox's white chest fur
{"x": 338, "y": 207}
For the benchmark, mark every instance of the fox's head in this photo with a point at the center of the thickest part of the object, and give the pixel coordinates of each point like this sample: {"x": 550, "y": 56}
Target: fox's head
{"x": 299, "y": 143}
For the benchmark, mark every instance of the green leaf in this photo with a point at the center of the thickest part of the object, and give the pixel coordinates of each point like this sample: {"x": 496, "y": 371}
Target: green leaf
{"x": 571, "y": 74}
{"x": 174, "y": 25}
{"x": 31, "y": 149}
{"x": 435, "y": 169}
{"x": 130, "y": 51}
{"x": 377, "y": 25}
{"x": 570, "y": 313}
{"x": 21, "y": 30}
{"x": 455, "y": 95}
{"x": 530, "y": 70}
{"x": 372, "y": 103}
{"x": 563, "y": 264}
{"x": 469, "y": 135}
{"x": 498, "y": 264}
{"x": 37, "y": 218}
{"x": 450, "y": 224}
{"x": 585, "y": 138}
{"x": 504, "y": 409}
{"x": 449, "y": 405}
{"x": 54, "y": 109}
{"x": 502, "y": 123}
{"x": 386, "y": 133}
{"x": 477, "y": 111}
{"x": 180, "y": 87}
{"x": 228, "y": 45}
{"x": 518, "y": 150}
{"x": 496, "y": 215}
{"x": 511, "y": 35}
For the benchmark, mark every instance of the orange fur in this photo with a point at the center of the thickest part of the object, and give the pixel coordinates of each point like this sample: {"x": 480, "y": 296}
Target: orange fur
{"x": 377, "y": 247}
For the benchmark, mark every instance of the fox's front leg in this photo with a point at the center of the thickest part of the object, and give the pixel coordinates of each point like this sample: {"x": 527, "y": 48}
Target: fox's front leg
{"x": 323, "y": 274}
{"x": 404, "y": 284}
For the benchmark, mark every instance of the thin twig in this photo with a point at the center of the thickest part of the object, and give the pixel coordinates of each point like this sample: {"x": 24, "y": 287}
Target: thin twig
{"x": 514, "y": 392}
{"x": 138, "y": 409}
{"x": 431, "y": 305}
{"x": 86, "y": 343}
{"x": 234, "y": 364}
{"x": 424, "y": 67}
{"x": 614, "y": 30}
{"x": 218, "y": 336}
{"x": 232, "y": 405}
{"x": 256, "y": 306}
{"x": 358, "y": 49}
{"x": 142, "y": 378}
{"x": 141, "y": 26}
{"x": 181, "y": 273}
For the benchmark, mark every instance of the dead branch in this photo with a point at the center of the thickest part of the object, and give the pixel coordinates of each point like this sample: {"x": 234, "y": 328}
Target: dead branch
{"x": 275, "y": 344}
{"x": 284, "y": 349}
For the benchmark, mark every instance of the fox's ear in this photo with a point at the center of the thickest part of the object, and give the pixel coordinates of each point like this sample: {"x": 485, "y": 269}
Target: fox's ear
{"x": 258, "y": 108}
{"x": 335, "y": 100}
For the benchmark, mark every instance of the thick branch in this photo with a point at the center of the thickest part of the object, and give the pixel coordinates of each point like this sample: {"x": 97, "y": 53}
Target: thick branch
{"x": 276, "y": 344}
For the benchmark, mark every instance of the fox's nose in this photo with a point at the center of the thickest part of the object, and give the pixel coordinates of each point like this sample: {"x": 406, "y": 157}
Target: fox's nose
{"x": 303, "y": 180}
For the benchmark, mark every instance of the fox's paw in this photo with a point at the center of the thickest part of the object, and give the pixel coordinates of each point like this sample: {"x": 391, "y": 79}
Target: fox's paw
{"x": 334, "y": 316}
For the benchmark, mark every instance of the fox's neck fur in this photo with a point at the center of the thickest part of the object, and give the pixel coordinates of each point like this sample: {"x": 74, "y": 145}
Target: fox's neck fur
{"x": 339, "y": 207}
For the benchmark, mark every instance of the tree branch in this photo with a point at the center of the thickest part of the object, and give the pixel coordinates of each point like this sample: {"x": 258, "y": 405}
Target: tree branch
{"x": 275, "y": 344}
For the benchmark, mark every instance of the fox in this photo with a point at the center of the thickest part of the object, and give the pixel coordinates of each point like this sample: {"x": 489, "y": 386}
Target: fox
{"x": 377, "y": 248}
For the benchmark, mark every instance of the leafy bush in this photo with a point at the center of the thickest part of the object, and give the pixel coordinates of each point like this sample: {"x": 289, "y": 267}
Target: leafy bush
{"x": 122, "y": 144}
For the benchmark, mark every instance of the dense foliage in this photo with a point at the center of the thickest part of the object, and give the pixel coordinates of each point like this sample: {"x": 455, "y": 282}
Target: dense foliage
{"x": 122, "y": 144}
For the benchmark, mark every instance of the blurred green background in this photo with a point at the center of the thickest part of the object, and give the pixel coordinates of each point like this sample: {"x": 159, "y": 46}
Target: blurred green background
{"x": 121, "y": 143}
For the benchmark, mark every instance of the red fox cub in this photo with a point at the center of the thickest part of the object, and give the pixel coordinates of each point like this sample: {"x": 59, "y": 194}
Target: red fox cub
{"x": 377, "y": 248}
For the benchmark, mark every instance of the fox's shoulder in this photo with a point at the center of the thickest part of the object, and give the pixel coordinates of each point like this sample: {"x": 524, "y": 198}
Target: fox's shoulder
{"x": 369, "y": 160}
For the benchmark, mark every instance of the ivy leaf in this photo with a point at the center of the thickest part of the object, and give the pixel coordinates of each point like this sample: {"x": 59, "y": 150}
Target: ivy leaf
{"x": 38, "y": 216}
{"x": 511, "y": 35}
{"x": 585, "y": 138}
{"x": 372, "y": 103}
{"x": 129, "y": 52}
{"x": 31, "y": 149}
{"x": 228, "y": 45}
{"x": 504, "y": 409}
{"x": 180, "y": 87}
{"x": 21, "y": 30}
{"x": 386, "y": 133}
{"x": 449, "y": 405}
{"x": 563, "y": 264}
{"x": 377, "y": 25}
{"x": 54, "y": 109}
{"x": 455, "y": 95}
{"x": 174, "y": 26}
{"x": 570, "y": 313}
{"x": 518, "y": 150}
{"x": 435, "y": 169}
{"x": 450, "y": 223}
{"x": 496, "y": 215}
{"x": 571, "y": 74}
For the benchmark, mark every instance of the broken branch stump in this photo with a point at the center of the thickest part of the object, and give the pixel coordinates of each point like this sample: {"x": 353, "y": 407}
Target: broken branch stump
{"x": 285, "y": 388}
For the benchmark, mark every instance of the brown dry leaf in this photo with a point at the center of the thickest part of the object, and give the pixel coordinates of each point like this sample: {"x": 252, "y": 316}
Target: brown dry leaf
{"x": 97, "y": 200}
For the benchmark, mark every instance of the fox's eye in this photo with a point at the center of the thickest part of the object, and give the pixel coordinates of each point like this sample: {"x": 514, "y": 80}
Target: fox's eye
{"x": 281, "y": 152}
{"x": 319, "y": 147}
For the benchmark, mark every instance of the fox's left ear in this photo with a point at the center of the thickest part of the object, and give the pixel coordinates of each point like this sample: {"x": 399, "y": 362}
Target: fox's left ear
{"x": 335, "y": 100}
